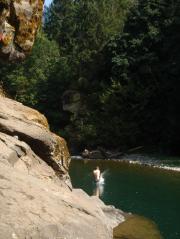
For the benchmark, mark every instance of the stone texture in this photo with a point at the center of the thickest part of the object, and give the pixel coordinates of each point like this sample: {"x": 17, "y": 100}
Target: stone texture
{"x": 36, "y": 204}
{"x": 31, "y": 127}
{"x": 71, "y": 100}
{"x": 19, "y": 21}
{"x": 36, "y": 197}
{"x": 18, "y": 155}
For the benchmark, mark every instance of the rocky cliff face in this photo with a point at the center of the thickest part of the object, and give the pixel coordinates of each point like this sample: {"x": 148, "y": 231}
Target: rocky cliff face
{"x": 36, "y": 199}
{"x": 19, "y": 21}
{"x": 31, "y": 127}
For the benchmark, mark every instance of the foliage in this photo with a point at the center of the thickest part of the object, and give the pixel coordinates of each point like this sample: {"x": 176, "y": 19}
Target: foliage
{"x": 26, "y": 81}
{"x": 122, "y": 57}
{"x": 83, "y": 29}
{"x": 145, "y": 77}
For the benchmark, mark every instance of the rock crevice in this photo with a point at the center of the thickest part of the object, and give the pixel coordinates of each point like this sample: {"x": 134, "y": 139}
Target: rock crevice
{"x": 31, "y": 127}
{"x": 19, "y": 21}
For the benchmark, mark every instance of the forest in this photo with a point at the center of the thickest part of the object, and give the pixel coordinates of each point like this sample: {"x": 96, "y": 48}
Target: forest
{"x": 106, "y": 73}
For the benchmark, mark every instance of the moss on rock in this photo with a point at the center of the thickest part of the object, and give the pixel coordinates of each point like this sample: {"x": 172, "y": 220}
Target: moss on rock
{"x": 19, "y": 21}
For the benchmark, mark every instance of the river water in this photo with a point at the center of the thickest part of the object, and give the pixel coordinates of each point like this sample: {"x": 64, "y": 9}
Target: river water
{"x": 148, "y": 189}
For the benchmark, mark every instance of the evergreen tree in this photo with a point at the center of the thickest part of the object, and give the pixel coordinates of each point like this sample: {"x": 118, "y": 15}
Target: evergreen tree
{"x": 145, "y": 77}
{"x": 122, "y": 57}
{"x": 83, "y": 29}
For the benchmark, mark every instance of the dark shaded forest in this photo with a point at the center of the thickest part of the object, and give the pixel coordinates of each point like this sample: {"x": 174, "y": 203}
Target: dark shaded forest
{"x": 105, "y": 73}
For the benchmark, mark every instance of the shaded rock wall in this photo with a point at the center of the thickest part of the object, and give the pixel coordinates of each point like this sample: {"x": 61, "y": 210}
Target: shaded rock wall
{"x": 18, "y": 155}
{"x": 19, "y": 21}
{"x": 31, "y": 127}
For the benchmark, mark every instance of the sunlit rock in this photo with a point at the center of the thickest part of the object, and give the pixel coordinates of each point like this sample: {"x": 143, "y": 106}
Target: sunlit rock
{"x": 36, "y": 198}
{"x": 19, "y": 21}
{"x": 32, "y": 127}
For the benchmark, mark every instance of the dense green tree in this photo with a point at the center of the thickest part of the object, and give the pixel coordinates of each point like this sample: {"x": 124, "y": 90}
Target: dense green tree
{"x": 83, "y": 29}
{"x": 27, "y": 81}
{"x": 122, "y": 56}
{"x": 145, "y": 77}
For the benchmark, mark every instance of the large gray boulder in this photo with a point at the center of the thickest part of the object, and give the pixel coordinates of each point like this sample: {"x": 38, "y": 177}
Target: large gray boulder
{"x": 36, "y": 198}
{"x": 36, "y": 204}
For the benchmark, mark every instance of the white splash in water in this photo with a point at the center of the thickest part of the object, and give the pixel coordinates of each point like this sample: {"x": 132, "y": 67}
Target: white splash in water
{"x": 154, "y": 164}
{"x": 177, "y": 169}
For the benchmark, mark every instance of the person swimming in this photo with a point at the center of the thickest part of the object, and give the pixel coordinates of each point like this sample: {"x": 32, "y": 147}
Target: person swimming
{"x": 97, "y": 174}
{"x": 99, "y": 182}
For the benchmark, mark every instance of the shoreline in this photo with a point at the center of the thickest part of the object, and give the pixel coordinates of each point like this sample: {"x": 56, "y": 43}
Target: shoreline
{"x": 151, "y": 162}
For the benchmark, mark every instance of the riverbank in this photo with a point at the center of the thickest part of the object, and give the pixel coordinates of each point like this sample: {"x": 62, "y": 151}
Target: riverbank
{"x": 153, "y": 160}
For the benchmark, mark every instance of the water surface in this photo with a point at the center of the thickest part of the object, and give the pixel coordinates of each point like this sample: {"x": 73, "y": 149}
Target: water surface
{"x": 143, "y": 190}
{"x": 136, "y": 227}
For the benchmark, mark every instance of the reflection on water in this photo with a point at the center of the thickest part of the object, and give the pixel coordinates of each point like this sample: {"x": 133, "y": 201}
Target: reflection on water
{"x": 98, "y": 189}
{"x": 137, "y": 227}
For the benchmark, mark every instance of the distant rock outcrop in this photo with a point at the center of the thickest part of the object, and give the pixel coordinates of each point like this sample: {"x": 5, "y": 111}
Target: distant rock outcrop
{"x": 19, "y": 21}
{"x": 101, "y": 153}
{"x": 71, "y": 100}
{"x": 36, "y": 198}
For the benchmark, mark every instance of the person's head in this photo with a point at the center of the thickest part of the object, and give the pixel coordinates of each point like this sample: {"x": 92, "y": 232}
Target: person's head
{"x": 97, "y": 167}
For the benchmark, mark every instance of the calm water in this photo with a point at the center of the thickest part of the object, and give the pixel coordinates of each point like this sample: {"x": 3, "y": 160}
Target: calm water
{"x": 146, "y": 191}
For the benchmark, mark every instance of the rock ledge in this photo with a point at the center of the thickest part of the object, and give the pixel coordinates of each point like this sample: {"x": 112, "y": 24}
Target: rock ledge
{"x": 36, "y": 198}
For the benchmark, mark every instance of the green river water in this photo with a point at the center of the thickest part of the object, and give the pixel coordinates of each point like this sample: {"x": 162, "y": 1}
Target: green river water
{"x": 143, "y": 190}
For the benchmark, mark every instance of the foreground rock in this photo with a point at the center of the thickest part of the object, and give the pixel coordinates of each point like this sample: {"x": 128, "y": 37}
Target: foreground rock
{"x": 36, "y": 201}
{"x": 19, "y": 21}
